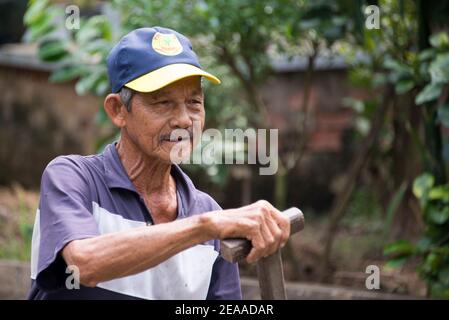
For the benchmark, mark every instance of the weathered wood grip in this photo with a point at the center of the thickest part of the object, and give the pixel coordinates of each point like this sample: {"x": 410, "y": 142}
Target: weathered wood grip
{"x": 235, "y": 250}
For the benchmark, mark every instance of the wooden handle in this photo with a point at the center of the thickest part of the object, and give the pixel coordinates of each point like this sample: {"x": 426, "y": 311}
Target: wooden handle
{"x": 234, "y": 250}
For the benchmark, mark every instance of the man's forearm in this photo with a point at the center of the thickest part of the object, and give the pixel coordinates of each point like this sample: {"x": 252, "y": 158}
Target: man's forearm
{"x": 116, "y": 255}
{"x": 121, "y": 254}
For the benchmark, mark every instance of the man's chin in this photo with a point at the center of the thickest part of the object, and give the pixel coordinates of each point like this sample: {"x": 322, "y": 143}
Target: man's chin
{"x": 178, "y": 151}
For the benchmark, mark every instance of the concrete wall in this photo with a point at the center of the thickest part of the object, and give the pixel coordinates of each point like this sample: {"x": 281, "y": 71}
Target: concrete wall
{"x": 38, "y": 121}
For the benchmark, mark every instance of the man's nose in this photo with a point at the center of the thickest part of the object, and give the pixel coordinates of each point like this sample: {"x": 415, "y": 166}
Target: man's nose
{"x": 181, "y": 118}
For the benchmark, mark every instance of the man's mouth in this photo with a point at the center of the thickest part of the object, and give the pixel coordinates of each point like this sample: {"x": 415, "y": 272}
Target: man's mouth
{"x": 176, "y": 138}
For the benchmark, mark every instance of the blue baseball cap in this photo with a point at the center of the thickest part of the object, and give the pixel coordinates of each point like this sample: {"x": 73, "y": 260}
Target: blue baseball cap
{"x": 148, "y": 59}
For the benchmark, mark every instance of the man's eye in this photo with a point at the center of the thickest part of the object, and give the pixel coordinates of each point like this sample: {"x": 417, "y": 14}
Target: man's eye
{"x": 163, "y": 102}
{"x": 195, "y": 101}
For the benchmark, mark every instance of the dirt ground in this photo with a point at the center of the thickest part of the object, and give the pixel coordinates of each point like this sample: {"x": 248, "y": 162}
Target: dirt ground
{"x": 358, "y": 244}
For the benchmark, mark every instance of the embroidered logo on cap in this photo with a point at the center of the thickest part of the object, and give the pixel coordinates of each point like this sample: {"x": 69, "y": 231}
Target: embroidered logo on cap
{"x": 166, "y": 44}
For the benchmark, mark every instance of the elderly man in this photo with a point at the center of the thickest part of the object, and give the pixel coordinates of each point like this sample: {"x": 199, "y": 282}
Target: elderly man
{"x": 129, "y": 223}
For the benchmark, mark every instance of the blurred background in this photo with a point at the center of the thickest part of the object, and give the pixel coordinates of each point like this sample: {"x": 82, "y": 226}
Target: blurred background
{"x": 358, "y": 90}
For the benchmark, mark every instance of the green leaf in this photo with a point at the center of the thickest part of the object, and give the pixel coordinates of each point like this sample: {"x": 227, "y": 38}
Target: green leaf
{"x": 102, "y": 87}
{"x": 439, "y": 193}
{"x": 439, "y": 40}
{"x": 396, "y": 262}
{"x": 404, "y": 86}
{"x": 430, "y": 92}
{"x": 401, "y": 247}
{"x": 39, "y": 31}
{"x": 356, "y": 104}
{"x": 67, "y": 74}
{"x": 97, "y": 46}
{"x": 396, "y": 66}
{"x": 439, "y": 69}
{"x": 88, "y": 83}
{"x": 437, "y": 215}
{"x": 422, "y": 185}
{"x": 94, "y": 28}
{"x": 35, "y": 12}
{"x": 423, "y": 72}
{"x": 52, "y": 50}
{"x": 398, "y": 70}
{"x": 426, "y": 54}
{"x": 86, "y": 34}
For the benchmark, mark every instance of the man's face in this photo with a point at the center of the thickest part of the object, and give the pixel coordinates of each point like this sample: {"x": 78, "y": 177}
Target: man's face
{"x": 155, "y": 115}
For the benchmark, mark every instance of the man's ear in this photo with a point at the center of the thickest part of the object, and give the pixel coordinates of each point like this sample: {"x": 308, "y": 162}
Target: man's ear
{"x": 115, "y": 109}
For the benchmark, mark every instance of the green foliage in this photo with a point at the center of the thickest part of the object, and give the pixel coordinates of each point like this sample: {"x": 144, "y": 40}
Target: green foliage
{"x": 80, "y": 54}
{"x": 435, "y": 65}
{"x": 433, "y": 248}
{"x": 394, "y": 56}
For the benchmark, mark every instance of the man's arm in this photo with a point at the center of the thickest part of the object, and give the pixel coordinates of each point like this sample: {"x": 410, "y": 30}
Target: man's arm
{"x": 116, "y": 255}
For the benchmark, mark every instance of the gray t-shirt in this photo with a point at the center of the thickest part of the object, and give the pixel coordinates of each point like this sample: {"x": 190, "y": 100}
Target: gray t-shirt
{"x": 86, "y": 196}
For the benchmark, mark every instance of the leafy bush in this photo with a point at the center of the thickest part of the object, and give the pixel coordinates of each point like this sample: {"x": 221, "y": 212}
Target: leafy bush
{"x": 433, "y": 248}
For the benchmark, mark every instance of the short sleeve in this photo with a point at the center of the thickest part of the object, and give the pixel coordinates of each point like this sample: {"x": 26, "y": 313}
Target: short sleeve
{"x": 64, "y": 215}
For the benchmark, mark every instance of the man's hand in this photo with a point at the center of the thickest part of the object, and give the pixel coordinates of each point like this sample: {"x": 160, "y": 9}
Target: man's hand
{"x": 261, "y": 223}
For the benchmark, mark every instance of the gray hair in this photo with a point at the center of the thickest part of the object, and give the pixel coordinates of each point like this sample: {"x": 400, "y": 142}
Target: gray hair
{"x": 126, "y": 95}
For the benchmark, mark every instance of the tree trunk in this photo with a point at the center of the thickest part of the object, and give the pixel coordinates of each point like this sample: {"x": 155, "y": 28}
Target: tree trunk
{"x": 406, "y": 166}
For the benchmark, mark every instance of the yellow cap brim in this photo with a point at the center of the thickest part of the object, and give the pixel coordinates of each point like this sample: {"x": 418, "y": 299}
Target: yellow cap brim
{"x": 164, "y": 76}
